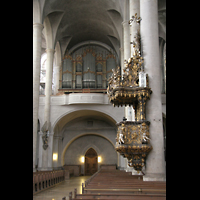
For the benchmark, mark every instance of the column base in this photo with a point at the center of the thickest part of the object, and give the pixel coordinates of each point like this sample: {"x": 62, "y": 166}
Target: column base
{"x": 121, "y": 168}
{"x": 154, "y": 177}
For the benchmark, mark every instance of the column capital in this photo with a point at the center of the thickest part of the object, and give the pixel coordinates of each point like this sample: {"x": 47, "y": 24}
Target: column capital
{"x": 50, "y": 50}
{"x": 38, "y": 25}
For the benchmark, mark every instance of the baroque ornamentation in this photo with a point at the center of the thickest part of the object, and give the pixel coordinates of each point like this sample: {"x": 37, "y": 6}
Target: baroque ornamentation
{"x": 133, "y": 132}
{"x": 135, "y": 19}
{"x": 133, "y": 142}
{"x": 132, "y": 88}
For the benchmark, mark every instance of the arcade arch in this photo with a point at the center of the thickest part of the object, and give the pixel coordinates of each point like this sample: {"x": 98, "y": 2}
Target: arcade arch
{"x": 75, "y": 125}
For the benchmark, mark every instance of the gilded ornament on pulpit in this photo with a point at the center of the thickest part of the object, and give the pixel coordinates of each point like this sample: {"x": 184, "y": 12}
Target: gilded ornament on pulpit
{"x": 132, "y": 88}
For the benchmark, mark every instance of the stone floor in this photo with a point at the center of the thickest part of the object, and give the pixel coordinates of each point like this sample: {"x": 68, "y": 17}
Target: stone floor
{"x": 62, "y": 189}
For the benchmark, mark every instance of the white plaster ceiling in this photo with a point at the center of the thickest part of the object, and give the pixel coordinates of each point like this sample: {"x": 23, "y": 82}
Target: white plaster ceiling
{"x": 84, "y": 20}
{"x": 77, "y": 21}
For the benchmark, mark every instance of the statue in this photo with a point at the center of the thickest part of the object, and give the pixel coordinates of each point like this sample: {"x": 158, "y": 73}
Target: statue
{"x": 45, "y": 129}
{"x": 145, "y": 139}
{"x": 121, "y": 140}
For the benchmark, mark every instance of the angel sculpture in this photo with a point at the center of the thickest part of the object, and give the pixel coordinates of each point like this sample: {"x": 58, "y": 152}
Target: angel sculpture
{"x": 121, "y": 140}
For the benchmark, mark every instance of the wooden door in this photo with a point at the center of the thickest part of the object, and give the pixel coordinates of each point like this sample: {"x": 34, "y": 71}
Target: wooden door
{"x": 91, "y": 164}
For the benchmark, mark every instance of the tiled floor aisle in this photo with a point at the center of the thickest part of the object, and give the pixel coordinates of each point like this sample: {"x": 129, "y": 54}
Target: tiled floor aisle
{"x": 62, "y": 189}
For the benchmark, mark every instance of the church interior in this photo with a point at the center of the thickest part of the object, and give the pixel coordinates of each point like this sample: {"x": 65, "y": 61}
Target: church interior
{"x": 99, "y": 99}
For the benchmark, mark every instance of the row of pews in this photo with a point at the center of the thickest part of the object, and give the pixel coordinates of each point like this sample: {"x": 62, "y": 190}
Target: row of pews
{"x": 117, "y": 184}
{"x": 46, "y": 179}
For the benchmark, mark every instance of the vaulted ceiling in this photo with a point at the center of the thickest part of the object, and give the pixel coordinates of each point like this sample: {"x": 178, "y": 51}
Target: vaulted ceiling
{"x": 83, "y": 20}
{"x": 76, "y": 21}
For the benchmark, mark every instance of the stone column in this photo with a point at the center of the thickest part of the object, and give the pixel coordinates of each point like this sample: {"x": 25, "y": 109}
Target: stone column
{"x": 127, "y": 55}
{"x": 56, "y": 78}
{"x": 126, "y": 40}
{"x": 122, "y": 59}
{"x": 37, "y": 40}
{"x": 48, "y": 92}
{"x": 48, "y": 85}
{"x": 134, "y": 8}
{"x": 155, "y": 167}
{"x": 126, "y": 51}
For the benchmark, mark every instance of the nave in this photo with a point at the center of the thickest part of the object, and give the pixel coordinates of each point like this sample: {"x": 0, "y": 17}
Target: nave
{"x": 62, "y": 189}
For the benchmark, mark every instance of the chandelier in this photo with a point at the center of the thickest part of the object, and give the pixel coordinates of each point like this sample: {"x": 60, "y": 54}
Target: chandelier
{"x": 132, "y": 89}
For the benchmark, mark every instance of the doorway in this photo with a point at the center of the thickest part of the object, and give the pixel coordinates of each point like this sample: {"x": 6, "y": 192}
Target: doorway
{"x": 91, "y": 164}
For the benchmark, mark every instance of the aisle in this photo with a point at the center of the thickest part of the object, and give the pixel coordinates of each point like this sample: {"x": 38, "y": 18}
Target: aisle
{"x": 62, "y": 189}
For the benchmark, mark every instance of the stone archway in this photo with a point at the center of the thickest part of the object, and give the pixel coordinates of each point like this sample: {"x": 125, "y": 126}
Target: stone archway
{"x": 65, "y": 129}
{"x": 83, "y": 151}
{"x": 91, "y": 162}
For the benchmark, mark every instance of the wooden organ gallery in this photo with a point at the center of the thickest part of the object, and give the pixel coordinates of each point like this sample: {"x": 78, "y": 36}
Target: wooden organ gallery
{"x": 87, "y": 67}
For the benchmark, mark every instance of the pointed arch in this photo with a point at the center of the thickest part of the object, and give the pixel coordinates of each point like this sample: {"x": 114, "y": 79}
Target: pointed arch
{"x": 91, "y": 152}
{"x": 72, "y": 140}
{"x": 91, "y": 163}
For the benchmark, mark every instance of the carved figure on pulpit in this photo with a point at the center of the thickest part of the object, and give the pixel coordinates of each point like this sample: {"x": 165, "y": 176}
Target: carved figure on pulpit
{"x": 130, "y": 163}
{"x": 121, "y": 140}
{"x": 145, "y": 139}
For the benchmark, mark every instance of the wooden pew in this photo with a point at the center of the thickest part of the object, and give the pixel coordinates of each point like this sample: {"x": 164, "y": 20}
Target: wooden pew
{"x": 46, "y": 179}
{"x": 120, "y": 196}
{"x": 108, "y": 167}
{"x": 116, "y": 184}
